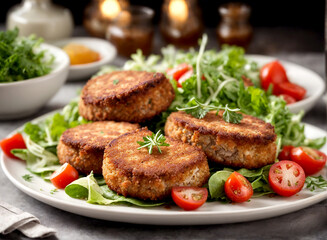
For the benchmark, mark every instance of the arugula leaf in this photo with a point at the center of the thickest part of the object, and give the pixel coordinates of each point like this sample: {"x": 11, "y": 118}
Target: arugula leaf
{"x": 231, "y": 116}
{"x": 200, "y": 110}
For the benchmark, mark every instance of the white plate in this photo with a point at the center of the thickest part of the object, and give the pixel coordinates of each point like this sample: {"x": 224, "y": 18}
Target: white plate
{"x": 302, "y": 76}
{"x": 209, "y": 213}
{"x": 83, "y": 71}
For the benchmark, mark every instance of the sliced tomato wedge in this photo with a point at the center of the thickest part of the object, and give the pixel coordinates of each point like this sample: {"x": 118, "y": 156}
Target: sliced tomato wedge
{"x": 288, "y": 99}
{"x": 311, "y": 160}
{"x": 64, "y": 176}
{"x": 16, "y": 141}
{"x": 238, "y": 188}
{"x": 184, "y": 77}
{"x": 179, "y": 70}
{"x": 189, "y": 198}
{"x": 286, "y": 178}
{"x": 285, "y": 154}
{"x": 292, "y": 89}
{"x": 272, "y": 73}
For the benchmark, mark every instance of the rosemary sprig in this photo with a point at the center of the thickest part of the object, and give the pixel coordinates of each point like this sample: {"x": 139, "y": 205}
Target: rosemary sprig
{"x": 153, "y": 140}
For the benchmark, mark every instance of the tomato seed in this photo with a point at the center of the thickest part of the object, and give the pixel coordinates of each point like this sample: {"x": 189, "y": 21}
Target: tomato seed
{"x": 196, "y": 197}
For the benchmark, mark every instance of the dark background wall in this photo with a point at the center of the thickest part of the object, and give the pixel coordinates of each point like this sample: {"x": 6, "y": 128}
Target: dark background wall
{"x": 276, "y": 13}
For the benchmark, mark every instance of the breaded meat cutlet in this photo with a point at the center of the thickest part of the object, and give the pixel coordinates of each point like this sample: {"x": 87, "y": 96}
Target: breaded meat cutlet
{"x": 249, "y": 144}
{"x": 136, "y": 173}
{"x": 131, "y": 96}
{"x": 83, "y": 146}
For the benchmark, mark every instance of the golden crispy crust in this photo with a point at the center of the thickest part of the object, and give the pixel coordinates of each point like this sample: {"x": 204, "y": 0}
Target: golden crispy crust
{"x": 138, "y": 96}
{"x": 96, "y": 135}
{"x": 83, "y": 146}
{"x": 249, "y": 130}
{"x": 250, "y": 144}
{"x": 136, "y": 173}
{"x": 83, "y": 160}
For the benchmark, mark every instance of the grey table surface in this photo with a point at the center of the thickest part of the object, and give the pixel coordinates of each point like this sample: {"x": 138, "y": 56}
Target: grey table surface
{"x": 299, "y": 46}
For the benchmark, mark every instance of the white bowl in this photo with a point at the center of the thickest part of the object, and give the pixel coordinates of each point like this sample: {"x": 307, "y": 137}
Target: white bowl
{"x": 83, "y": 71}
{"x": 302, "y": 76}
{"x": 23, "y": 98}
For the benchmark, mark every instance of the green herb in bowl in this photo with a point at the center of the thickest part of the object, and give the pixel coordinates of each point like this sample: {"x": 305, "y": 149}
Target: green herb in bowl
{"x": 20, "y": 59}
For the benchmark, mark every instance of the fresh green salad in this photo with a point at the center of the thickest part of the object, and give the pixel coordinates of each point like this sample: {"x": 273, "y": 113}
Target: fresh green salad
{"x": 19, "y": 58}
{"x": 222, "y": 88}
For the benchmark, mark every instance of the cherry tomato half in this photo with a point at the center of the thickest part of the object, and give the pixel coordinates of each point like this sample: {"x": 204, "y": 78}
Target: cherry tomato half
{"x": 16, "y": 141}
{"x": 285, "y": 154}
{"x": 311, "y": 160}
{"x": 286, "y": 178}
{"x": 272, "y": 73}
{"x": 179, "y": 70}
{"x": 184, "y": 77}
{"x": 292, "y": 89}
{"x": 64, "y": 176}
{"x": 288, "y": 99}
{"x": 189, "y": 198}
{"x": 238, "y": 188}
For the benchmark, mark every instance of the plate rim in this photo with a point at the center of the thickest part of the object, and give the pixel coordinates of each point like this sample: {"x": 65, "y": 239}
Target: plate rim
{"x": 213, "y": 217}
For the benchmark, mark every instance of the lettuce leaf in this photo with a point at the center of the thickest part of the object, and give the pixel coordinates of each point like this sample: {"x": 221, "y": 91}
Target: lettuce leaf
{"x": 88, "y": 188}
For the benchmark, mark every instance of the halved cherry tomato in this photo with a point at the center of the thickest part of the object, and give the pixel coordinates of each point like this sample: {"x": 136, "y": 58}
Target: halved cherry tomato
{"x": 64, "y": 176}
{"x": 285, "y": 154}
{"x": 272, "y": 73}
{"x": 292, "y": 90}
{"x": 238, "y": 188}
{"x": 16, "y": 141}
{"x": 286, "y": 178}
{"x": 311, "y": 160}
{"x": 189, "y": 198}
{"x": 184, "y": 77}
{"x": 179, "y": 70}
{"x": 288, "y": 99}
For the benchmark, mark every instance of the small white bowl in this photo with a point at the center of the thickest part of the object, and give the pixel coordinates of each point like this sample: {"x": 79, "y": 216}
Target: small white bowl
{"x": 83, "y": 71}
{"x": 23, "y": 98}
{"x": 302, "y": 76}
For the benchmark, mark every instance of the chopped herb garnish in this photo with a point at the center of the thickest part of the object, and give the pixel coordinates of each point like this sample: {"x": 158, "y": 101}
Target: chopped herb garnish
{"x": 27, "y": 177}
{"x": 53, "y": 191}
{"x": 101, "y": 132}
{"x": 154, "y": 75}
{"x": 18, "y": 58}
{"x": 153, "y": 140}
{"x": 199, "y": 110}
{"x": 116, "y": 81}
{"x": 315, "y": 182}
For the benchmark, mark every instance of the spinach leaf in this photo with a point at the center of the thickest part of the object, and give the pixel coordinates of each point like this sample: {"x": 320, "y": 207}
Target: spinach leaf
{"x": 217, "y": 182}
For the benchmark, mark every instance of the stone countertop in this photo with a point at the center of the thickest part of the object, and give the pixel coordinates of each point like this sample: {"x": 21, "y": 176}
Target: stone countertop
{"x": 308, "y": 223}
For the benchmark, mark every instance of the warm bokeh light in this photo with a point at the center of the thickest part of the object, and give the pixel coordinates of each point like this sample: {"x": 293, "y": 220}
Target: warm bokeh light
{"x": 110, "y": 8}
{"x": 178, "y": 10}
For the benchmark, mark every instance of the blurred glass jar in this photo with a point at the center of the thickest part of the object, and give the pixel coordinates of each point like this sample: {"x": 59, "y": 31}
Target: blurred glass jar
{"x": 100, "y": 13}
{"x": 132, "y": 29}
{"x": 181, "y": 22}
{"x": 42, "y": 18}
{"x": 234, "y": 28}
